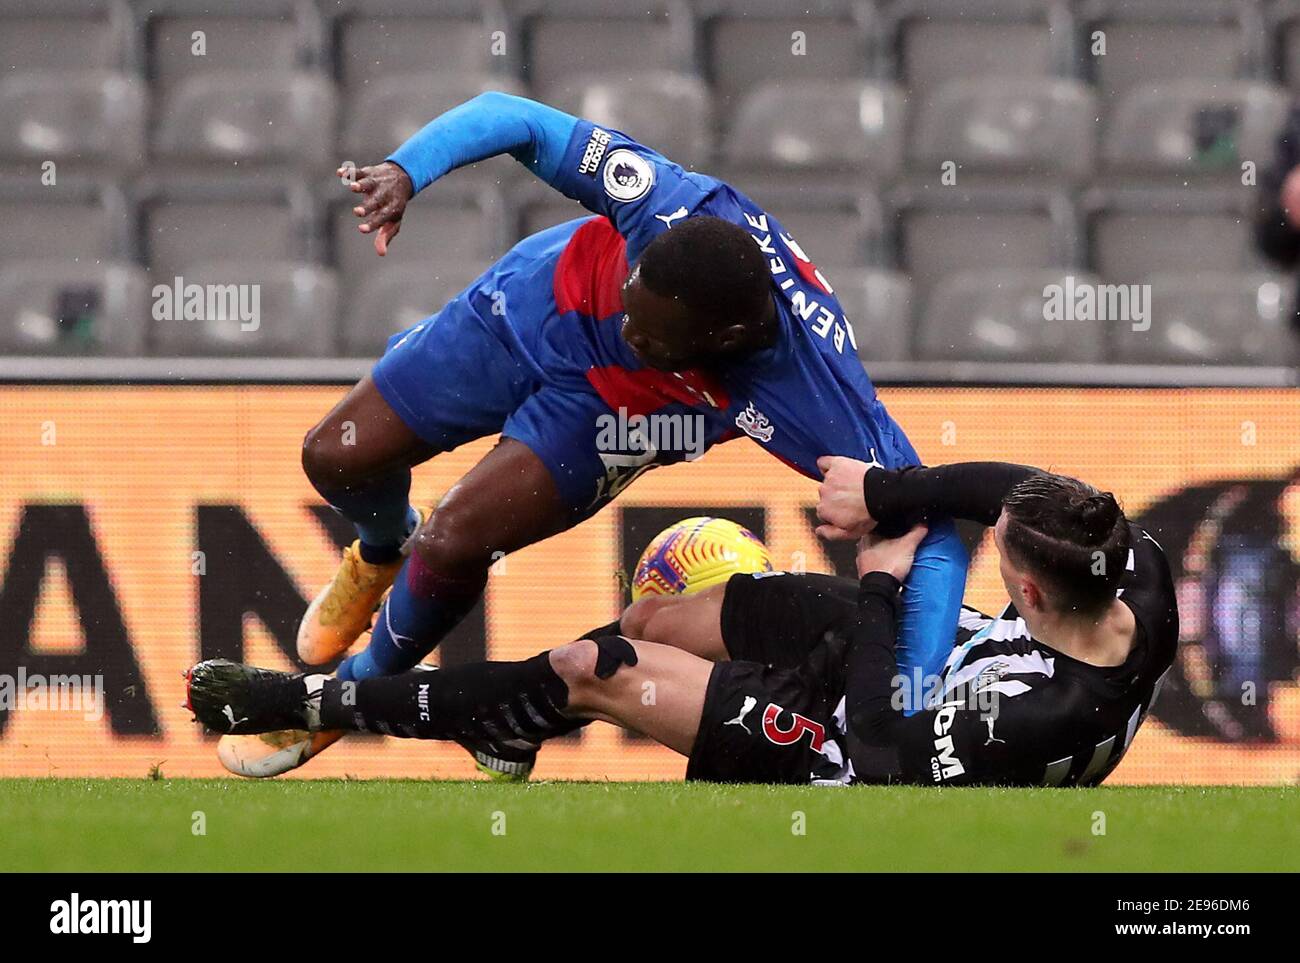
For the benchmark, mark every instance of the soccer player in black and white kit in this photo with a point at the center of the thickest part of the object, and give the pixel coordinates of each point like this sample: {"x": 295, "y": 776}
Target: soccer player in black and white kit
{"x": 793, "y": 678}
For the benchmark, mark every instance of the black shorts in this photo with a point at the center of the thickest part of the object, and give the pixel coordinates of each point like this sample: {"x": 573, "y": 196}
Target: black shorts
{"x": 779, "y": 619}
{"x": 767, "y": 724}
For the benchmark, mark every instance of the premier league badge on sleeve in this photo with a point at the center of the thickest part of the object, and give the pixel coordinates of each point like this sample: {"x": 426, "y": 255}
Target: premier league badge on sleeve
{"x": 628, "y": 176}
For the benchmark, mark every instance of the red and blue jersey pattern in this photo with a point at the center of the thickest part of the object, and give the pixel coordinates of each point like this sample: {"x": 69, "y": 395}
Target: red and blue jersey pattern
{"x": 807, "y": 396}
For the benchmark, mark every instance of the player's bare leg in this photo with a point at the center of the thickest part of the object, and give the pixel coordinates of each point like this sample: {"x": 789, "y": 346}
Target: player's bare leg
{"x": 359, "y": 457}
{"x": 692, "y": 623}
{"x": 661, "y": 695}
{"x": 653, "y": 689}
{"x": 506, "y": 502}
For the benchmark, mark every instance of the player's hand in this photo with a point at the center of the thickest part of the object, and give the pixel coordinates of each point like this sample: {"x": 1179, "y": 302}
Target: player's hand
{"x": 840, "y": 502}
{"x": 892, "y": 555}
{"x": 384, "y": 189}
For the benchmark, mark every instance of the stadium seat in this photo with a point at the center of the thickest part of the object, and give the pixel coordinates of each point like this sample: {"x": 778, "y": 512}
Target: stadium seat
{"x": 663, "y": 110}
{"x": 91, "y": 116}
{"x": 939, "y": 235}
{"x": 1032, "y": 127}
{"x": 396, "y": 298}
{"x": 249, "y": 117}
{"x": 878, "y": 305}
{"x": 379, "y": 39}
{"x": 67, "y": 308}
{"x": 939, "y": 42}
{"x": 448, "y": 224}
{"x": 749, "y": 43}
{"x": 1000, "y": 316}
{"x": 811, "y": 125}
{"x": 296, "y": 309}
{"x": 1214, "y": 317}
{"x": 568, "y": 40}
{"x": 65, "y": 35}
{"x": 386, "y": 111}
{"x": 1194, "y": 126}
{"x": 64, "y": 226}
{"x": 222, "y": 221}
{"x": 1157, "y": 42}
{"x": 1132, "y": 234}
{"x": 235, "y": 37}
{"x": 1284, "y": 26}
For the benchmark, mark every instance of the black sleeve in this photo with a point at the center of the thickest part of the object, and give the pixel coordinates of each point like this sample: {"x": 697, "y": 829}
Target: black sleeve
{"x": 870, "y": 668}
{"x": 1274, "y": 235}
{"x": 899, "y": 498}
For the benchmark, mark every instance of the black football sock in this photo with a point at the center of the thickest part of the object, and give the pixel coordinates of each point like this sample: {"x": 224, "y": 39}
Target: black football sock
{"x": 496, "y": 701}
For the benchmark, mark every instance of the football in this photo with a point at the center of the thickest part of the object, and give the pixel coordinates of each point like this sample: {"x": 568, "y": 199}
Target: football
{"x": 696, "y": 553}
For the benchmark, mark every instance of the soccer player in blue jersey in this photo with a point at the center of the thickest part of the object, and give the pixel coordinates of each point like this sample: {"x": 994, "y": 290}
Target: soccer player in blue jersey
{"x": 680, "y": 299}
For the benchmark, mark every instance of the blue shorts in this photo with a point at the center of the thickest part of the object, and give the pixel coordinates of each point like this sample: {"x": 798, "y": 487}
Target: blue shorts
{"x": 452, "y": 379}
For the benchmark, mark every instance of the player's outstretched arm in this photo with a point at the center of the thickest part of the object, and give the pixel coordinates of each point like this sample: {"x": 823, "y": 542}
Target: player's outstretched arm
{"x": 490, "y": 124}
{"x": 855, "y": 497}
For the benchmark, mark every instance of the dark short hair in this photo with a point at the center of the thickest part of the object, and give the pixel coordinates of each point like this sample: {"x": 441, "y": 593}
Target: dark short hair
{"x": 1070, "y": 535}
{"x": 713, "y": 266}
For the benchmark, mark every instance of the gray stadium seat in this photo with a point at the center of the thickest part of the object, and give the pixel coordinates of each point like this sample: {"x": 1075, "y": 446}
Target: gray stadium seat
{"x": 581, "y": 40}
{"x": 389, "y": 109}
{"x": 183, "y": 230}
{"x": 56, "y": 228}
{"x": 1184, "y": 231}
{"x": 58, "y": 36}
{"x": 257, "y": 37}
{"x": 395, "y": 298}
{"x": 296, "y": 311}
{"x": 1160, "y": 41}
{"x": 1209, "y": 317}
{"x": 812, "y": 125}
{"x": 375, "y": 43}
{"x": 88, "y": 308}
{"x": 878, "y": 305}
{"x": 666, "y": 111}
{"x": 1286, "y": 28}
{"x": 942, "y": 42}
{"x": 445, "y": 224}
{"x": 75, "y": 116}
{"x": 999, "y": 316}
{"x": 748, "y": 44}
{"x": 1036, "y": 127}
{"x": 940, "y": 236}
{"x": 246, "y": 116}
{"x": 1194, "y": 126}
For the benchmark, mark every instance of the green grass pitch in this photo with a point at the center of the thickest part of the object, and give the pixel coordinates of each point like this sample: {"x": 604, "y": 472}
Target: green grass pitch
{"x": 127, "y": 825}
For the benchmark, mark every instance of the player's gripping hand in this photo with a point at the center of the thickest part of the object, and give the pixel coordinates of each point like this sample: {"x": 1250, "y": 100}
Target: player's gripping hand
{"x": 892, "y": 555}
{"x": 841, "y": 504}
{"x": 385, "y": 190}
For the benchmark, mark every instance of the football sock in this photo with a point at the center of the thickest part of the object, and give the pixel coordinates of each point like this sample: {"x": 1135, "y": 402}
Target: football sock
{"x": 422, "y": 607}
{"x": 382, "y": 513}
{"x": 494, "y": 701}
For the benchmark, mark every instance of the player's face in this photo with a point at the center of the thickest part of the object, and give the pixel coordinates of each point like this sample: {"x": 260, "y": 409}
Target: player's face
{"x": 659, "y": 330}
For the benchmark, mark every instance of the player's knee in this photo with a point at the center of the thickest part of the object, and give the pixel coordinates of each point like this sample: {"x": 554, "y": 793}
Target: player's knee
{"x": 326, "y": 461}
{"x": 575, "y": 663}
{"x": 588, "y": 667}
{"x": 635, "y": 622}
{"x": 447, "y": 541}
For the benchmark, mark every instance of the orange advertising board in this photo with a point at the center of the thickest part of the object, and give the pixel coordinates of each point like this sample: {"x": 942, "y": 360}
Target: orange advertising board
{"x": 142, "y": 528}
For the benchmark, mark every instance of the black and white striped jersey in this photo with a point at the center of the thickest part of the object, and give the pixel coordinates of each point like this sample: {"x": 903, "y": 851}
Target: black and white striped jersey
{"x": 1008, "y": 709}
